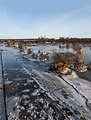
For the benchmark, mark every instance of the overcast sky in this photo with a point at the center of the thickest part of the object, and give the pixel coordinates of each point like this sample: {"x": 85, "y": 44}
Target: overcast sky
{"x": 52, "y": 18}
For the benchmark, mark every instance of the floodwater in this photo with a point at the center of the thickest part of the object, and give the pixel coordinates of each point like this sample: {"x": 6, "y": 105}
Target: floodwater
{"x": 51, "y": 48}
{"x": 86, "y": 54}
{"x": 25, "y": 99}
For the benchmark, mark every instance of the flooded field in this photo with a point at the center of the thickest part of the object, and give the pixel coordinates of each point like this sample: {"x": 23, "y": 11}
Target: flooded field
{"x": 86, "y": 54}
{"x": 34, "y": 91}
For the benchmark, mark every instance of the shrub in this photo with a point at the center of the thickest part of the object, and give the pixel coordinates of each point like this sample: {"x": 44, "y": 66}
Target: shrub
{"x": 61, "y": 61}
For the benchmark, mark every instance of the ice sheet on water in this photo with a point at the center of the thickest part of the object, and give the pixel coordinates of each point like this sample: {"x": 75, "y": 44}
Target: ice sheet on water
{"x": 36, "y": 92}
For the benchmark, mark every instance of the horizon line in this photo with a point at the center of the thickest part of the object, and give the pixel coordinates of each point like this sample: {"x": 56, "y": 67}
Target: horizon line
{"x": 41, "y": 37}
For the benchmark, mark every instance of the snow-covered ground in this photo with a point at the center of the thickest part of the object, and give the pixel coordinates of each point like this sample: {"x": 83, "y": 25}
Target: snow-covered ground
{"x": 72, "y": 92}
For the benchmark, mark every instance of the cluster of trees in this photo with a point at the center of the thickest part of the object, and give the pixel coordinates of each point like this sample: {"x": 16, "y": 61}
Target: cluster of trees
{"x": 46, "y": 39}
